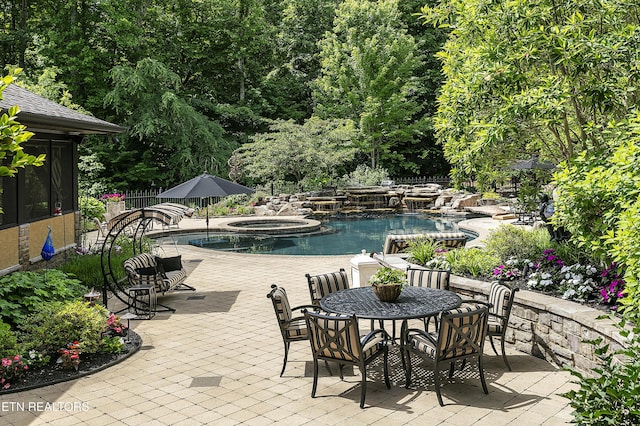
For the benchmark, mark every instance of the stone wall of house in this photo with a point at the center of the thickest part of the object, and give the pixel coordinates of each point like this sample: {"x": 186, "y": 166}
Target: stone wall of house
{"x": 548, "y": 327}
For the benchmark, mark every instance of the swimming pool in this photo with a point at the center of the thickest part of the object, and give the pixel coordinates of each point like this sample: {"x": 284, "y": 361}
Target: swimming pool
{"x": 338, "y": 236}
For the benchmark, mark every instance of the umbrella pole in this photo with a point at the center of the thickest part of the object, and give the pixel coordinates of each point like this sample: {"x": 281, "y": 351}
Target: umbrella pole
{"x": 207, "y": 219}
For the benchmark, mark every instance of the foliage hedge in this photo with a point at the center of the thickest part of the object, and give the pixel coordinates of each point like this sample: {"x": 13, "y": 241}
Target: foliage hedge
{"x": 598, "y": 202}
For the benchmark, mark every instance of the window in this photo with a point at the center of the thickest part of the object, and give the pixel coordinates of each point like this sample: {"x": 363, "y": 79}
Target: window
{"x": 37, "y": 187}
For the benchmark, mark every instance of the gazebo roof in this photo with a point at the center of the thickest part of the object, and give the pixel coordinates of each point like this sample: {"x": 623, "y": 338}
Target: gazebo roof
{"x": 42, "y": 115}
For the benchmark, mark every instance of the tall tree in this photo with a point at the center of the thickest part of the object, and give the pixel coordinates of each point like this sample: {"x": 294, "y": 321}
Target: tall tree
{"x": 368, "y": 63}
{"x": 166, "y": 134}
{"x": 303, "y": 24}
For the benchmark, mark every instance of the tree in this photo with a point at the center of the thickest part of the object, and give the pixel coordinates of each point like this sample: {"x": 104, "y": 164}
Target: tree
{"x": 368, "y": 62}
{"x": 308, "y": 154}
{"x": 303, "y": 24}
{"x": 536, "y": 77}
{"x": 168, "y": 140}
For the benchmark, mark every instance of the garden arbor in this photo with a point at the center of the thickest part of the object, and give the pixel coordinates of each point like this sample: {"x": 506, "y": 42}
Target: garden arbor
{"x": 133, "y": 224}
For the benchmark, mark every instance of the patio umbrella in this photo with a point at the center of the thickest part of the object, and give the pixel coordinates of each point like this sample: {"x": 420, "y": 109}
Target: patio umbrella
{"x": 205, "y": 186}
{"x": 532, "y": 163}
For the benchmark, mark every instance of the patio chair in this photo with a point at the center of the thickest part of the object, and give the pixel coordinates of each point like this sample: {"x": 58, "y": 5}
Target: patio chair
{"x": 501, "y": 301}
{"x": 431, "y": 278}
{"x": 102, "y": 232}
{"x": 293, "y": 329}
{"x": 323, "y": 284}
{"x": 461, "y": 335}
{"x": 335, "y": 337}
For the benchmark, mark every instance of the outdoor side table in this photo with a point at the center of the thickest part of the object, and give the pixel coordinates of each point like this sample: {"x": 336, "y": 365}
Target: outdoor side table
{"x": 143, "y": 301}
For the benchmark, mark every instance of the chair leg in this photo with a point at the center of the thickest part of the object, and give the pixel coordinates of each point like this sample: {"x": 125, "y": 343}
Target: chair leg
{"x": 386, "y": 367}
{"x": 326, "y": 364}
{"x": 492, "y": 345}
{"x": 341, "y": 367}
{"x": 452, "y": 365}
{"x": 481, "y": 371}
{"x": 436, "y": 378}
{"x": 315, "y": 378}
{"x": 403, "y": 337}
{"x": 407, "y": 370}
{"x": 286, "y": 354}
{"x": 504, "y": 354}
{"x": 363, "y": 393}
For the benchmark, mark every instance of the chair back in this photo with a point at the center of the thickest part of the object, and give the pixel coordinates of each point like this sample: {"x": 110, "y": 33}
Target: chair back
{"x": 462, "y": 332}
{"x": 281, "y": 305}
{"x": 501, "y": 300}
{"x": 334, "y": 336}
{"x": 432, "y": 278}
{"x": 323, "y": 284}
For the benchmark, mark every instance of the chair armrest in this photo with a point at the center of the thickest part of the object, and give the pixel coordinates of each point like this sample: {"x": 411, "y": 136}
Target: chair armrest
{"x": 301, "y": 307}
{"x": 422, "y": 333}
{"x": 477, "y": 302}
{"x": 374, "y": 333}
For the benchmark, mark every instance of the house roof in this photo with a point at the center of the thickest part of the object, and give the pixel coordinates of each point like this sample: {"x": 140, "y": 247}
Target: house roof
{"x": 42, "y": 115}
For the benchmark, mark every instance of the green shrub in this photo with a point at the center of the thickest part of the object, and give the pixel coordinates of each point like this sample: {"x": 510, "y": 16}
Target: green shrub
{"x": 111, "y": 345}
{"x": 511, "y": 241}
{"x": 364, "y": 175}
{"x": 611, "y": 395}
{"x": 59, "y": 323}
{"x": 92, "y": 208}
{"x": 423, "y": 250}
{"x": 23, "y": 293}
{"x": 8, "y": 341}
{"x": 471, "y": 261}
{"x": 571, "y": 253}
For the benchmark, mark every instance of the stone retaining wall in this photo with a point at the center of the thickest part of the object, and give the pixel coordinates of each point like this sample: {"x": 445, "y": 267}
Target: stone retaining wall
{"x": 548, "y": 327}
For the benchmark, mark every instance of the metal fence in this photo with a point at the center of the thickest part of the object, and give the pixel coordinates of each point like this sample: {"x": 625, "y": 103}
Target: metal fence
{"x": 147, "y": 197}
{"x": 421, "y": 180}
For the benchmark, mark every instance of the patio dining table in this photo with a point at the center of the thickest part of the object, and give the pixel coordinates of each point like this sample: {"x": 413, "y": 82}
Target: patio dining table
{"x": 413, "y": 303}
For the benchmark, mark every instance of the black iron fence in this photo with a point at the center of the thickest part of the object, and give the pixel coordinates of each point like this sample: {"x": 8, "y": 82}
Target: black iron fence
{"x": 147, "y": 197}
{"x": 421, "y": 180}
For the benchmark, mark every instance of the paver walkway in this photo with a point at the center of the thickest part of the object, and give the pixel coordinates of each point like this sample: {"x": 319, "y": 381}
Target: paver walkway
{"x": 217, "y": 361}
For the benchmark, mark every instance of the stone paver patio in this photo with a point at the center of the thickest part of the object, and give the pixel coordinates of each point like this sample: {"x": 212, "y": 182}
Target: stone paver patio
{"x": 217, "y": 361}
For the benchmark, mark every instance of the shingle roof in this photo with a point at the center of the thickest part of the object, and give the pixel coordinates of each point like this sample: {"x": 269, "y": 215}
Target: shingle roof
{"x": 41, "y": 114}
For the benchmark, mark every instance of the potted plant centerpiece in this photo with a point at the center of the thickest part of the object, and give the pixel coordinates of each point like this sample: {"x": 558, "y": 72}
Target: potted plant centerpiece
{"x": 387, "y": 283}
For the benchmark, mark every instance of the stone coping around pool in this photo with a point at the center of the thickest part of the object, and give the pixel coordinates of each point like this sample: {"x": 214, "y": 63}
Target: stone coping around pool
{"x": 281, "y": 225}
{"x": 225, "y": 224}
{"x": 549, "y": 327}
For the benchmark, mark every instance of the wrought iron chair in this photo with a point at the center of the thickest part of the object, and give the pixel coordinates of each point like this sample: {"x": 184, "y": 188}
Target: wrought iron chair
{"x": 501, "y": 301}
{"x": 102, "y": 232}
{"x": 293, "y": 329}
{"x": 431, "y": 278}
{"x": 336, "y": 338}
{"x": 322, "y": 284}
{"x": 461, "y": 335}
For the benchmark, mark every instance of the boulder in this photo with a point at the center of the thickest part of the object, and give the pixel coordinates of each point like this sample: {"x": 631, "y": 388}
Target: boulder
{"x": 287, "y": 210}
{"x": 470, "y": 200}
{"x": 263, "y": 211}
{"x": 394, "y": 202}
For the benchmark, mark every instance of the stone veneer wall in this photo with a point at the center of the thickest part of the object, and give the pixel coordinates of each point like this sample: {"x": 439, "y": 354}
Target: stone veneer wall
{"x": 548, "y": 327}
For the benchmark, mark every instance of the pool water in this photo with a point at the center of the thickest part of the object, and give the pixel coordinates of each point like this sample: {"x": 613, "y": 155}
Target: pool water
{"x": 341, "y": 236}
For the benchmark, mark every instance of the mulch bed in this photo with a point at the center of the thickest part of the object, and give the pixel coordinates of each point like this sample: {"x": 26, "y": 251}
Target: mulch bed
{"x": 90, "y": 363}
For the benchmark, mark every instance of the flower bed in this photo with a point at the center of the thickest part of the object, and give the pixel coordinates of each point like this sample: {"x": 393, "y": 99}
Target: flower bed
{"x": 55, "y": 372}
